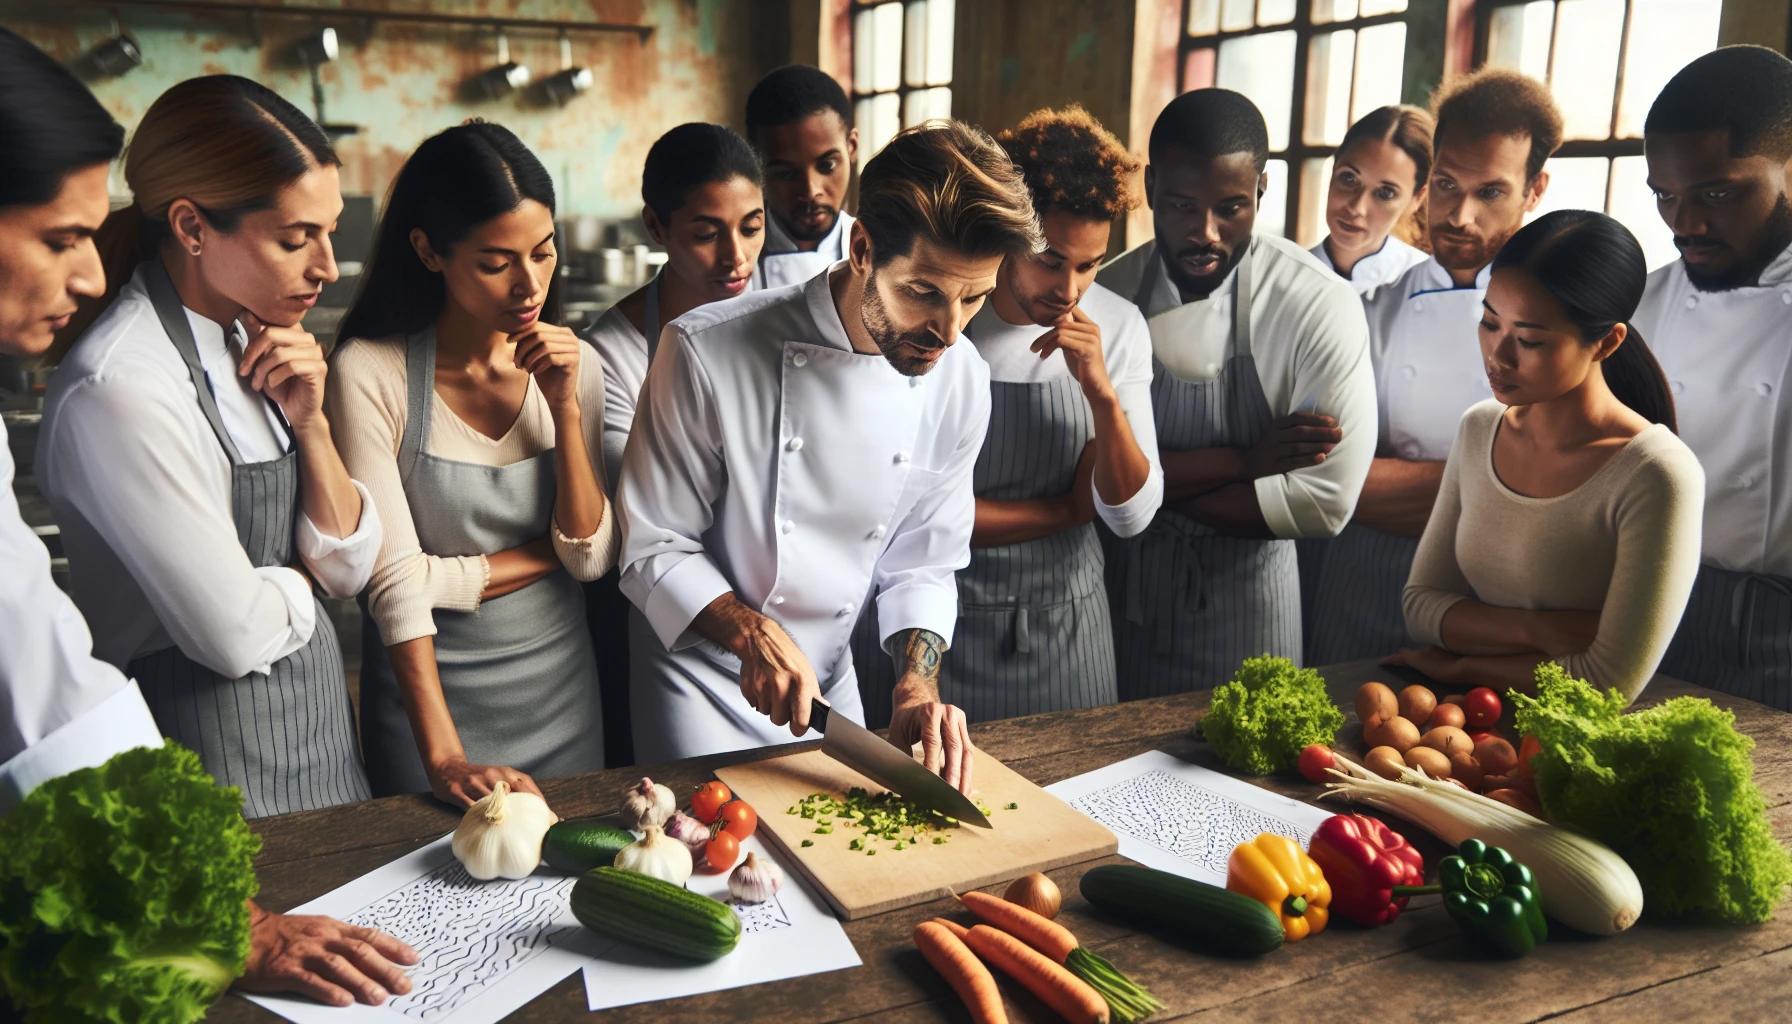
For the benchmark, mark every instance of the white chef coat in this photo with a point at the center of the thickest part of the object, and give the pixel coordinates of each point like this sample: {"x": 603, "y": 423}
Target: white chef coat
{"x": 1427, "y": 357}
{"x": 1383, "y": 266}
{"x": 782, "y": 263}
{"x": 1310, "y": 349}
{"x": 61, "y": 709}
{"x": 1126, "y": 347}
{"x": 624, "y": 353}
{"x": 770, "y": 460}
{"x": 142, "y": 491}
{"x": 1728, "y": 357}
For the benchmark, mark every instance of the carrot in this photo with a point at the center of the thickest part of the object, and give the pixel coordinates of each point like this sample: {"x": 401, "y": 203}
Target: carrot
{"x": 1036, "y": 930}
{"x": 954, "y": 927}
{"x": 1065, "y": 993}
{"x": 963, "y": 971}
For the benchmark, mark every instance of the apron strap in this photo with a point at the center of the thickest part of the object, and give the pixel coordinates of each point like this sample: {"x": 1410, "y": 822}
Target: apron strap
{"x": 173, "y": 315}
{"x": 420, "y": 389}
{"x": 650, "y": 320}
{"x": 1241, "y": 303}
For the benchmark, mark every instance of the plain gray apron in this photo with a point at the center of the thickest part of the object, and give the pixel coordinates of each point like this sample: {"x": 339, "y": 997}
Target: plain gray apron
{"x": 518, "y": 674}
{"x": 1355, "y": 607}
{"x": 1190, "y": 604}
{"x": 286, "y": 738}
{"x": 1736, "y": 636}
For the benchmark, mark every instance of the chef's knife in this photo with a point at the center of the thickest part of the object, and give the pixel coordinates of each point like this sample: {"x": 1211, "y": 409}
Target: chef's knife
{"x": 872, "y": 756}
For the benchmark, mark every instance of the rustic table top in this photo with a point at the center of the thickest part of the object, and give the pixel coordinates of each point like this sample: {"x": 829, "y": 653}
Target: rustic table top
{"x": 1414, "y": 969}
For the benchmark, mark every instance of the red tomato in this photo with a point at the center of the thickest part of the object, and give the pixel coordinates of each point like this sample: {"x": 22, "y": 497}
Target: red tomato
{"x": 1315, "y": 758}
{"x": 738, "y": 819}
{"x": 1483, "y": 708}
{"x": 707, "y": 802}
{"x": 722, "y": 851}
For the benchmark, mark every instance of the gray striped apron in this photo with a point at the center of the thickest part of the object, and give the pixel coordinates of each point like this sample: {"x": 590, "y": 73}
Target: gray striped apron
{"x": 1356, "y": 604}
{"x": 518, "y": 674}
{"x": 286, "y": 738}
{"x": 1736, "y": 636}
{"x": 607, "y": 610}
{"x": 1190, "y": 604}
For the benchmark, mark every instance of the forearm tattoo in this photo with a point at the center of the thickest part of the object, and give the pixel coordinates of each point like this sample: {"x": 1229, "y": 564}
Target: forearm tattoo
{"x": 920, "y": 653}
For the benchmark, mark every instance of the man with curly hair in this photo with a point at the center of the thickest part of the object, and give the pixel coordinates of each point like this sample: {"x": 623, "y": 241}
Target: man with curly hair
{"x": 1070, "y": 440}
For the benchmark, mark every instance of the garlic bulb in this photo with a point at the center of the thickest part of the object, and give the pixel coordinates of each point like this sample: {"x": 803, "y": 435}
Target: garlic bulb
{"x": 755, "y": 881}
{"x": 646, "y": 803}
{"x": 500, "y": 836}
{"x": 689, "y": 831}
{"x": 657, "y": 856}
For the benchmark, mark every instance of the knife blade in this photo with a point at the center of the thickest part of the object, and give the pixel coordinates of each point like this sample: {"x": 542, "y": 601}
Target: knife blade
{"x": 874, "y": 757}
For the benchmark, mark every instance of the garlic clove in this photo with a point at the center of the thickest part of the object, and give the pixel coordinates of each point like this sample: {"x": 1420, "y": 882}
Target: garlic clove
{"x": 646, "y": 803}
{"x": 693, "y": 834}
{"x": 500, "y": 835}
{"x": 656, "y": 855}
{"x": 754, "y": 880}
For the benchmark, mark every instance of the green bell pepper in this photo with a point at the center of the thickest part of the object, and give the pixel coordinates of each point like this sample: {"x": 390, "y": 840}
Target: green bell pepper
{"x": 1491, "y": 897}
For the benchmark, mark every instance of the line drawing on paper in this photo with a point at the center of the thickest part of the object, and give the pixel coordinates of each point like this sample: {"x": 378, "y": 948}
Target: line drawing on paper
{"x": 761, "y": 917}
{"x": 1182, "y": 818}
{"x": 470, "y": 934}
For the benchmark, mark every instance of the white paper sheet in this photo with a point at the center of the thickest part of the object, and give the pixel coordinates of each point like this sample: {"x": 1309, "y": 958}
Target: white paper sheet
{"x": 792, "y": 935}
{"x": 487, "y": 947}
{"x": 1182, "y": 818}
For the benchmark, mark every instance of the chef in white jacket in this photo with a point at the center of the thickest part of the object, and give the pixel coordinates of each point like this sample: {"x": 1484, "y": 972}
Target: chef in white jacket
{"x": 797, "y": 449}
{"x": 1495, "y": 130}
{"x": 1719, "y": 144}
{"x": 800, "y": 121}
{"x": 62, "y": 709}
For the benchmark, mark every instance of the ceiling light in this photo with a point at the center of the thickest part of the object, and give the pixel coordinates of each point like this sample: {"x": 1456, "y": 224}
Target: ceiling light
{"x": 319, "y": 47}
{"x": 116, "y": 55}
{"x": 497, "y": 81}
{"x": 569, "y": 81}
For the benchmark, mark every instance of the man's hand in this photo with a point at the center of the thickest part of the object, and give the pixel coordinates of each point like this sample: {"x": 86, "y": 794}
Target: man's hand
{"x": 285, "y": 364}
{"x": 1079, "y": 339}
{"x": 323, "y": 958}
{"x": 775, "y": 675}
{"x": 1293, "y": 442}
{"x": 918, "y": 716}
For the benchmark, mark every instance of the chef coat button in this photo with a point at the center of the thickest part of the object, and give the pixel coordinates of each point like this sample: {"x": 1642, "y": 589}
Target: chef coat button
{"x": 1419, "y": 306}
{"x": 1679, "y": 387}
{"x": 799, "y": 359}
{"x": 795, "y": 444}
{"x": 878, "y": 531}
{"x": 1692, "y": 301}
{"x": 789, "y": 525}
{"x": 845, "y": 610}
{"x": 1786, "y": 297}
{"x": 914, "y": 382}
{"x": 1763, "y": 389}
{"x": 1410, "y": 450}
{"x": 1747, "y": 480}
{"x": 901, "y": 457}
{"x": 778, "y": 600}
{"x": 1409, "y": 371}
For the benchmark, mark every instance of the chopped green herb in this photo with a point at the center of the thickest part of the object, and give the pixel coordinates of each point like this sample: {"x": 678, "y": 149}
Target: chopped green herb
{"x": 824, "y": 831}
{"x": 901, "y": 846}
{"x": 808, "y": 842}
{"x": 871, "y": 852}
{"x": 793, "y": 810}
{"x": 1013, "y": 807}
{"x": 938, "y": 840}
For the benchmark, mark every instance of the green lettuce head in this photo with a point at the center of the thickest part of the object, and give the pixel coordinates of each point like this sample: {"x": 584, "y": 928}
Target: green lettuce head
{"x": 1259, "y": 722}
{"x": 123, "y": 892}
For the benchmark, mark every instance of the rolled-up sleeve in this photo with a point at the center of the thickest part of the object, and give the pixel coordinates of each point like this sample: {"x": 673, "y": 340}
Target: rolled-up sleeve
{"x": 1329, "y": 366}
{"x": 914, "y": 577}
{"x": 672, "y": 478}
{"x": 1129, "y": 368}
{"x": 342, "y": 565}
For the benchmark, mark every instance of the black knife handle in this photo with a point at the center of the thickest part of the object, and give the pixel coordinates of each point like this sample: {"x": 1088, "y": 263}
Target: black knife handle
{"x": 818, "y": 716}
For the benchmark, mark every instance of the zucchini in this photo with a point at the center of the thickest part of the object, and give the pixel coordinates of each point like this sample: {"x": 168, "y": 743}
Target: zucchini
{"x": 655, "y": 914}
{"x": 1215, "y": 919}
{"x": 575, "y": 847}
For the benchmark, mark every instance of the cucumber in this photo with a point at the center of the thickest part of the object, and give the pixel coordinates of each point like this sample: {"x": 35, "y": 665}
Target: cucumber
{"x": 1215, "y": 919}
{"x": 655, "y": 914}
{"x": 575, "y": 847}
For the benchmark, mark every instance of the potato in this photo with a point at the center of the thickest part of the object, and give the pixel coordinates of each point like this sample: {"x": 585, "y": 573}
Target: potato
{"x": 1496, "y": 756}
{"x": 1396, "y": 732}
{"x": 1385, "y": 762}
{"x": 1457, "y": 699}
{"x": 1513, "y": 781}
{"x": 1448, "y": 714}
{"x": 1416, "y": 704}
{"x": 1371, "y": 726}
{"x": 1517, "y": 798}
{"x": 1466, "y": 770}
{"x": 1433, "y": 763}
{"x": 1447, "y": 740}
{"x": 1375, "y": 700}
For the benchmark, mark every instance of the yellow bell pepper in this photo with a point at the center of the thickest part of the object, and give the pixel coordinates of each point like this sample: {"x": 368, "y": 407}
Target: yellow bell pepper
{"x": 1276, "y": 872}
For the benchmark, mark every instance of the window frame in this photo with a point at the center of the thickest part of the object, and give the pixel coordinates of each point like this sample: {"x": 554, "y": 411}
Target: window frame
{"x": 1298, "y": 151}
{"x": 1611, "y": 147}
{"x": 902, "y": 90}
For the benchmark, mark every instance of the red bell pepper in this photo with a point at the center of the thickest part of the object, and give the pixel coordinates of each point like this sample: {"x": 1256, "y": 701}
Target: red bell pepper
{"x": 1363, "y": 860}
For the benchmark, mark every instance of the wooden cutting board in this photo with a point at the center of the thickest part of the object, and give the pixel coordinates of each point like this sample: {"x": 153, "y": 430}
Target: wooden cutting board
{"x": 1043, "y": 832}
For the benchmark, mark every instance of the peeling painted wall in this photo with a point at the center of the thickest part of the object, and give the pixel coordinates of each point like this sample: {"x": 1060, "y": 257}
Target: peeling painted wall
{"x": 402, "y": 83}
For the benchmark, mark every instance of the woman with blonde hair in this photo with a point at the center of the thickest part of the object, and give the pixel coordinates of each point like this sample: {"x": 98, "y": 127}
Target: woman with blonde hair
{"x": 186, "y": 456}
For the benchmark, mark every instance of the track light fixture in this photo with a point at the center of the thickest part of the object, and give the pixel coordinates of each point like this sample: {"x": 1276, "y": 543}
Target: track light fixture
{"x": 117, "y": 54}
{"x": 569, "y": 81}
{"x": 319, "y": 47}
{"x": 507, "y": 75}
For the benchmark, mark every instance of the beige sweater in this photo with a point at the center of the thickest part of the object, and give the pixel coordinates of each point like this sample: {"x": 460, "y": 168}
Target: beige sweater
{"x": 1625, "y": 544}
{"x": 365, "y": 401}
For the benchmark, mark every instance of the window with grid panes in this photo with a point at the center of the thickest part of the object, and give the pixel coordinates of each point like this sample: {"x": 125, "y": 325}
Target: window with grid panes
{"x": 901, "y": 67}
{"x": 1312, "y": 67}
{"x": 1605, "y": 62}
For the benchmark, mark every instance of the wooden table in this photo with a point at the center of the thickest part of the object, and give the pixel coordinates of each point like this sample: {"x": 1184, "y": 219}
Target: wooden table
{"x": 1414, "y": 969}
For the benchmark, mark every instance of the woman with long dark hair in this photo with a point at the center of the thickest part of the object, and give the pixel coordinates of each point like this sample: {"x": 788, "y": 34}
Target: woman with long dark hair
{"x": 1567, "y": 527}
{"x": 476, "y": 419}
{"x": 187, "y": 458}
{"x": 1375, "y": 204}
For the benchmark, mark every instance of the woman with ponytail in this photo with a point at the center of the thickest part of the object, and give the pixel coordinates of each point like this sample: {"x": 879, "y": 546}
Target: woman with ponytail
{"x": 1567, "y": 526}
{"x": 185, "y": 452}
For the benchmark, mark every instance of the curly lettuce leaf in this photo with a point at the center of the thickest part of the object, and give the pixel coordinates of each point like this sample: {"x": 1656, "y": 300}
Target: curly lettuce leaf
{"x": 122, "y": 892}
{"x": 1670, "y": 788}
{"x": 1259, "y": 722}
